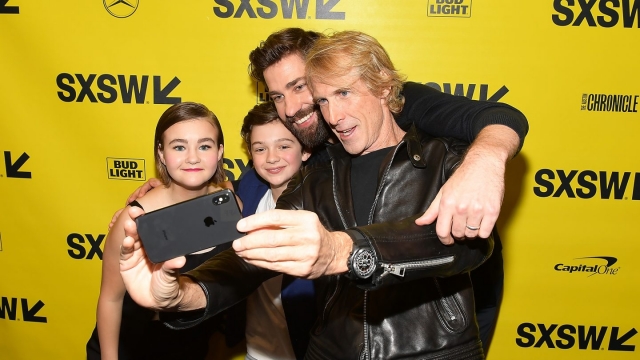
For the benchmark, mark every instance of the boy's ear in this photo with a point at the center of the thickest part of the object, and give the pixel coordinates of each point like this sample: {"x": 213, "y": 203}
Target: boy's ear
{"x": 305, "y": 155}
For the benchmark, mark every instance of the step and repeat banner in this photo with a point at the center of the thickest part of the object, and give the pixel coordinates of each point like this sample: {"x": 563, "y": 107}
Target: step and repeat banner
{"x": 83, "y": 84}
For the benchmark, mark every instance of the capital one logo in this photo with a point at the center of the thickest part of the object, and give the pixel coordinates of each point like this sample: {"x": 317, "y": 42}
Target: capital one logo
{"x": 597, "y": 13}
{"x": 269, "y": 9}
{"x": 108, "y": 88}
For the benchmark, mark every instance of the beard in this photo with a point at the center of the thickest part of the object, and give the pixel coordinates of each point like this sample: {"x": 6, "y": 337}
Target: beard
{"x": 311, "y": 136}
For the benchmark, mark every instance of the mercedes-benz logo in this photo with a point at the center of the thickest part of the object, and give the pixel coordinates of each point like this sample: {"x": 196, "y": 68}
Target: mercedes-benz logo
{"x": 121, "y": 8}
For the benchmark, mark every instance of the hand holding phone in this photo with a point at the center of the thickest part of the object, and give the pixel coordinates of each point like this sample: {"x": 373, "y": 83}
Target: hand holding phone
{"x": 190, "y": 226}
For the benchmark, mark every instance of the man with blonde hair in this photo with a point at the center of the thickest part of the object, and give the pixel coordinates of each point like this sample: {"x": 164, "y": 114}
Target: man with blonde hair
{"x": 388, "y": 287}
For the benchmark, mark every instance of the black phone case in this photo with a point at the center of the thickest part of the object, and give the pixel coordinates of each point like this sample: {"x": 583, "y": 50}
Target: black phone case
{"x": 189, "y": 226}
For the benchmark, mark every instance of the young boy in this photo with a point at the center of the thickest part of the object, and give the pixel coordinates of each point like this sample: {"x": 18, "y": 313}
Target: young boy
{"x": 277, "y": 155}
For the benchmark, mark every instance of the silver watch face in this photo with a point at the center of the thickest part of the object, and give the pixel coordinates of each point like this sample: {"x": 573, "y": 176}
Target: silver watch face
{"x": 364, "y": 263}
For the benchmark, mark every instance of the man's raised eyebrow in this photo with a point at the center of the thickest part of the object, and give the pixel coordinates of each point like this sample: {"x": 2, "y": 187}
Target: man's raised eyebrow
{"x": 294, "y": 82}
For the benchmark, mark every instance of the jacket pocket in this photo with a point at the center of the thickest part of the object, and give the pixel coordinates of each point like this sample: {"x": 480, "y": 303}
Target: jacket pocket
{"x": 450, "y": 312}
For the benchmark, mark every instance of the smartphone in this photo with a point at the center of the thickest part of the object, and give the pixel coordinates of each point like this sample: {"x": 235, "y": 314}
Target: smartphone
{"x": 190, "y": 226}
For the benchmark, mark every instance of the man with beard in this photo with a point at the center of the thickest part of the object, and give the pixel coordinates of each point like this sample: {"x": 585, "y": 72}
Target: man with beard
{"x": 379, "y": 272}
{"x": 467, "y": 205}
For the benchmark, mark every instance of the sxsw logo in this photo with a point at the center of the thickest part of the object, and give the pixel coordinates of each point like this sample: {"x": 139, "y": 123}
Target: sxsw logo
{"x": 555, "y": 336}
{"x": 77, "y": 249}
{"x": 126, "y": 169}
{"x": 107, "y": 88}
{"x": 449, "y": 8}
{"x": 591, "y": 265}
{"x": 4, "y": 9}
{"x": 13, "y": 167}
{"x": 470, "y": 92}
{"x": 269, "y": 9}
{"x": 586, "y": 184}
{"x": 233, "y": 164}
{"x": 609, "y": 102}
{"x": 9, "y": 310}
{"x": 609, "y": 13}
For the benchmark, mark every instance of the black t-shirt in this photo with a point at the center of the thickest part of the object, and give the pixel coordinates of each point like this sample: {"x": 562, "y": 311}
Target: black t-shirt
{"x": 364, "y": 183}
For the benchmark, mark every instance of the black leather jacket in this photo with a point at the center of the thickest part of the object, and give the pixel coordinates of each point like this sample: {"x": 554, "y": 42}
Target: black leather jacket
{"x": 427, "y": 313}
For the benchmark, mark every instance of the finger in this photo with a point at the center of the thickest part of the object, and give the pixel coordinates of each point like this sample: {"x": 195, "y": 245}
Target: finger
{"x": 146, "y": 187}
{"x": 279, "y": 254}
{"x": 458, "y": 225}
{"x": 126, "y": 249}
{"x": 174, "y": 264}
{"x": 133, "y": 197}
{"x": 472, "y": 226}
{"x": 134, "y": 212}
{"x": 115, "y": 218}
{"x": 260, "y": 239}
{"x": 488, "y": 223}
{"x": 444, "y": 224}
{"x": 130, "y": 227}
{"x": 274, "y": 219}
{"x": 432, "y": 212}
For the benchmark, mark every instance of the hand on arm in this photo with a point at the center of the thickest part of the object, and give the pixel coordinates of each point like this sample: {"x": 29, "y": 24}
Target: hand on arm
{"x": 155, "y": 286}
{"x": 138, "y": 193}
{"x": 472, "y": 196}
{"x": 293, "y": 242}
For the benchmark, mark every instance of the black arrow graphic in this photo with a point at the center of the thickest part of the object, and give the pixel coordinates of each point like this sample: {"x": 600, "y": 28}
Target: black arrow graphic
{"x": 323, "y": 10}
{"x": 161, "y": 95}
{"x": 13, "y": 168}
{"x": 30, "y": 314}
{"x": 617, "y": 343}
{"x": 4, "y": 9}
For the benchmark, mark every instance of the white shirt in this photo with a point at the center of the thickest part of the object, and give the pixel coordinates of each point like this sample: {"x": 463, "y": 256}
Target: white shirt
{"x": 266, "y": 332}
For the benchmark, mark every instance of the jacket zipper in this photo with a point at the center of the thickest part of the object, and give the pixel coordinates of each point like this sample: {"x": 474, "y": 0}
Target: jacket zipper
{"x": 399, "y": 269}
{"x": 366, "y": 337}
{"x": 365, "y": 354}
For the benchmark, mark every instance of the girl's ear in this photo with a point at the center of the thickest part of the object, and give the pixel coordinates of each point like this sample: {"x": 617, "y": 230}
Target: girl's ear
{"x": 220, "y": 152}
{"x": 161, "y": 155}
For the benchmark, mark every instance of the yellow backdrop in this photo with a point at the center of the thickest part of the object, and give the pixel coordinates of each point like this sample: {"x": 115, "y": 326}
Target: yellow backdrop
{"x": 84, "y": 82}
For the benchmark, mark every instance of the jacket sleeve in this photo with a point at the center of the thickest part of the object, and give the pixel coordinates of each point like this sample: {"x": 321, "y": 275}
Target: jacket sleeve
{"x": 445, "y": 115}
{"x": 405, "y": 251}
{"x": 226, "y": 279}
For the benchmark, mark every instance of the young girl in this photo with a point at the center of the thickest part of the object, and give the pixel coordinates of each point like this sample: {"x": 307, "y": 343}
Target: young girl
{"x": 188, "y": 150}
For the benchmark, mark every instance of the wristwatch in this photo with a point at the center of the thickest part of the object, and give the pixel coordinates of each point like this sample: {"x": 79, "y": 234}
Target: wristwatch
{"x": 362, "y": 261}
